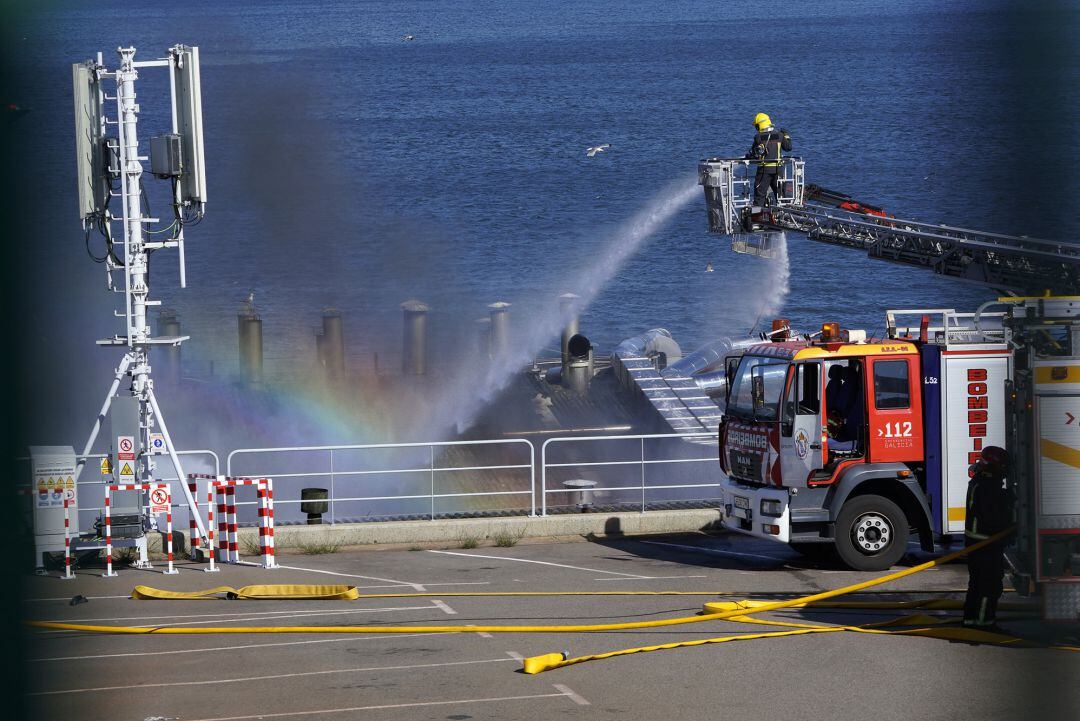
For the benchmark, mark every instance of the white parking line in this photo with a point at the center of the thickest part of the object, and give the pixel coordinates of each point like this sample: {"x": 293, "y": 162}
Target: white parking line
{"x": 444, "y": 608}
{"x": 213, "y": 649}
{"x": 649, "y": 578}
{"x": 416, "y": 704}
{"x": 542, "y": 563}
{"x": 481, "y": 634}
{"x": 576, "y": 698}
{"x": 272, "y": 677}
{"x": 414, "y": 586}
{"x": 516, "y": 656}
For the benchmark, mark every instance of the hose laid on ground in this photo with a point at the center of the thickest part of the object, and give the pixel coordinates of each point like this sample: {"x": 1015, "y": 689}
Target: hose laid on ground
{"x": 590, "y": 628}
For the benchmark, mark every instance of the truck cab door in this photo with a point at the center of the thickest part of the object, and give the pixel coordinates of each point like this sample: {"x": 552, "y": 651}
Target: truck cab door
{"x": 801, "y": 423}
{"x": 895, "y": 410}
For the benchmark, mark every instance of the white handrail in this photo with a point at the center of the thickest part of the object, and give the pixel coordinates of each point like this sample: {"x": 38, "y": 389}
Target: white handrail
{"x": 642, "y": 462}
{"x": 431, "y": 469}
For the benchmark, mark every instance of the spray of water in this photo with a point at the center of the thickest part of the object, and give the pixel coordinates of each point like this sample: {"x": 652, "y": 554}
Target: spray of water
{"x": 468, "y": 394}
{"x": 776, "y": 292}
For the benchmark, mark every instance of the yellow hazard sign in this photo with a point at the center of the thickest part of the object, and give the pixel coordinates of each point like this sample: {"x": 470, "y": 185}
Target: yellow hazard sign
{"x": 125, "y": 470}
{"x": 106, "y": 468}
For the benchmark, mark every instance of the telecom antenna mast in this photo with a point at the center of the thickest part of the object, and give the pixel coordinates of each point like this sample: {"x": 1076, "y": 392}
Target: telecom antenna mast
{"x": 105, "y": 158}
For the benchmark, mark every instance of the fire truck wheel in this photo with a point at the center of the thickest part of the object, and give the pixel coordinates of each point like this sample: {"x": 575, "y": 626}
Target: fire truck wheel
{"x": 871, "y": 533}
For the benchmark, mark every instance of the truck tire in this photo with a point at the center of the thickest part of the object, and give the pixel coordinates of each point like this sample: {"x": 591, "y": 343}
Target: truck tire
{"x": 871, "y": 533}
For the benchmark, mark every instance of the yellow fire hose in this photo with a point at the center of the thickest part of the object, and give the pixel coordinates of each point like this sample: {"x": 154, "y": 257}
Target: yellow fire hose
{"x": 714, "y": 612}
{"x": 625, "y": 626}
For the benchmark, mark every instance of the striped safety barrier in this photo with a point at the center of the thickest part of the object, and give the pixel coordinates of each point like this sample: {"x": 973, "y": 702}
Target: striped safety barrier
{"x": 194, "y": 539}
{"x": 68, "y": 575}
{"x": 152, "y": 487}
{"x": 222, "y": 540}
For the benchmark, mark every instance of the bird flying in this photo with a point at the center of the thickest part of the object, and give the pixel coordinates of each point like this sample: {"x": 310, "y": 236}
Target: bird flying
{"x": 597, "y": 149}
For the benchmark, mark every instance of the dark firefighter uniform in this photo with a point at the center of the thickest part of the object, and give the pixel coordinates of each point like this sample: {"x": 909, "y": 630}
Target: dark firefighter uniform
{"x": 769, "y": 143}
{"x": 989, "y": 511}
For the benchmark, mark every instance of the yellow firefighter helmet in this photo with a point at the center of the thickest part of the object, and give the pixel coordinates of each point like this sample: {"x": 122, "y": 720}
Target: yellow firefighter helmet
{"x": 762, "y": 121}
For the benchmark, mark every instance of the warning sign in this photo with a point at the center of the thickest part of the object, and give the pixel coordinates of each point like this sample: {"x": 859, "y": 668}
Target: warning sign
{"x": 125, "y": 447}
{"x": 53, "y": 469}
{"x": 127, "y": 472}
{"x": 69, "y": 489}
{"x": 106, "y": 467}
{"x": 159, "y": 501}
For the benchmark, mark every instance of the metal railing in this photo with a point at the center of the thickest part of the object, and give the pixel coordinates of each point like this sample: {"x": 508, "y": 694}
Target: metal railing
{"x": 729, "y": 188}
{"x": 332, "y": 469}
{"x": 642, "y": 462}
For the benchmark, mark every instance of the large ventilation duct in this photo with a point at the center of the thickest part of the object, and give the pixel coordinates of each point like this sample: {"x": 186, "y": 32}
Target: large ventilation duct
{"x": 657, "y": 345}
{"x": 414, "y": 348}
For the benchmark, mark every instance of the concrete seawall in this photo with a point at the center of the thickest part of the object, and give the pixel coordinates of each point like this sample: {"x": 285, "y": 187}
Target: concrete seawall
{"x": 292, "y": 539}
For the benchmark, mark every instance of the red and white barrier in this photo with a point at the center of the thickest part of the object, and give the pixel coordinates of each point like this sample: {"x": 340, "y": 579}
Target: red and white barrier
{"x": 68, "y": 575}
{"x": 194, "y": 540}
{"x": 109, "y": 490}
{"x": 221, "y": 497}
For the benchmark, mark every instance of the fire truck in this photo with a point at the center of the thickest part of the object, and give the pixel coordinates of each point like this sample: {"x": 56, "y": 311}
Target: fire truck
{"x": 837, "y": 440}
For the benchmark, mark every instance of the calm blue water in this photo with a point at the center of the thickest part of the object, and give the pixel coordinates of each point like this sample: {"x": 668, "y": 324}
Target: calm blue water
{"x": 350, "y": 168}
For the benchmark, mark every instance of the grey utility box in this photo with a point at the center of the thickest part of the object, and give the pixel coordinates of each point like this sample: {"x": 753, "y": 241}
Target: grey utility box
{"x": 166, "y": 156}
{"x": 52, "y": 470}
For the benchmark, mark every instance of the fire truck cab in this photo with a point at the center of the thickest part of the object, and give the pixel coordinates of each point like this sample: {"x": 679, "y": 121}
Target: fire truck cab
{"x": 844, "y": 441}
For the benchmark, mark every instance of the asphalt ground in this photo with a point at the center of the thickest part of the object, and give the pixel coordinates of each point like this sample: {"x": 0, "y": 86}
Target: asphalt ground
{"x": 477, "y": 676}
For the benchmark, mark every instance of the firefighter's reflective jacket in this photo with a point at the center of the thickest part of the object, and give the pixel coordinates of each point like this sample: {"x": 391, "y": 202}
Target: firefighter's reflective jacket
{"x": 768, "y": 145}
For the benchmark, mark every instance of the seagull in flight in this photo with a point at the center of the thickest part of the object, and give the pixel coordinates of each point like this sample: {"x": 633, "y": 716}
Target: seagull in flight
{"x": 597, "y": 149}
{"x": 409, "y": 37}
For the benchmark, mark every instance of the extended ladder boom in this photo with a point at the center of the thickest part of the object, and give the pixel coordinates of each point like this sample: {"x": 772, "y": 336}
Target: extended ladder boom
{"x": 1011, "y": 263}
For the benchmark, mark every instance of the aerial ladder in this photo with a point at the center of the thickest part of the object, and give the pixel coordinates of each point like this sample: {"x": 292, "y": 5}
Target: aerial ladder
{"x": 1015, "y": 265}
{"x": 1037, "y": 313}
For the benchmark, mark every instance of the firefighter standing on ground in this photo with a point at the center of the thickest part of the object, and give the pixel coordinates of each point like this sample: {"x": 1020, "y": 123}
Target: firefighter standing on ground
{"x": 989, "y": 511}
{"x": 769, "y": 143}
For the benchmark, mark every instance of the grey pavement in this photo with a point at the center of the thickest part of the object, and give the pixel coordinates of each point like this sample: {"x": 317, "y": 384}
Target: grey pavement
{"x": 473, "y": 676}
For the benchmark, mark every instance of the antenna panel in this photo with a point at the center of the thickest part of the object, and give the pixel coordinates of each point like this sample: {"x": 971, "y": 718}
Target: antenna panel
{"x": 89, "y": 138}
{"x": 187, "y": 121}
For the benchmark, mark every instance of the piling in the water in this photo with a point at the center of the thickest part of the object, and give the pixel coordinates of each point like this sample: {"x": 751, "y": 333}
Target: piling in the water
{"x": 414, "y": 338}
{"x": 249, "y": 331}
{"x": 169, "y": 327}
{"x": 333, "y": 344}
{"x": 499, "y": 312}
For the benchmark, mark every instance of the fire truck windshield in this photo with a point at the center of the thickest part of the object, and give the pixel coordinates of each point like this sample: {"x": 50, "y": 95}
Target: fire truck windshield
{"x": 758, "y": 386}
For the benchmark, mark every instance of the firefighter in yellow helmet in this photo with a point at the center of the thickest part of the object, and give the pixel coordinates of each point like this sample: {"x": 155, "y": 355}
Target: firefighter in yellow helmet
{"x": 769, "y": 143}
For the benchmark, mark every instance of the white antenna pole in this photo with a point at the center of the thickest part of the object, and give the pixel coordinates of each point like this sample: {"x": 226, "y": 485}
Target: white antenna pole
{"x": 138, "y": 340}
